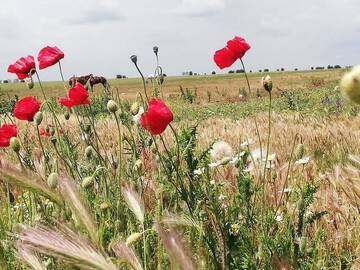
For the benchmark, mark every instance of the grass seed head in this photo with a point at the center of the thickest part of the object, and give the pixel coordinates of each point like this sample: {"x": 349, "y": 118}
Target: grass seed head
{"x": 15, "y": 144}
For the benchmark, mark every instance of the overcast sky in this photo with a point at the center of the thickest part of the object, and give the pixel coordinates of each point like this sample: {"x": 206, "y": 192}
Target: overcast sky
{"x": 99, "y": 36}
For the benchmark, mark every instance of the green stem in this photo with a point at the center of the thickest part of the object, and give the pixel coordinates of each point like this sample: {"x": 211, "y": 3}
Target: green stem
{"x": 246, "y": 77}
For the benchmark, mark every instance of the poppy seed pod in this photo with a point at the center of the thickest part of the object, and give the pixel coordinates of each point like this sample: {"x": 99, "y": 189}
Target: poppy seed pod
{"x": 267, "y": 83}
{"x": 156, "y": 50}
{"x": 134, "y": 109}
{"x": 29, "y": 82}
{"x": 67, "y": 115}
{"x": 15, "y": 144}
{"x": 38, "y": 117}
{"x": 350, "y": 85}
{"x": 87, "y": 181}
{"x": 112, "y": 106}
{"x": 134, "y": 59}
{"x": 88, "y": 151}
{"x": 53, "y": 180}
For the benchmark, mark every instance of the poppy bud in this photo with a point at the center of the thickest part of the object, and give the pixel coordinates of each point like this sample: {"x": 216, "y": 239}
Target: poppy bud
{"x": 104, "y": 206}
{"x": 134, "y": 109}
{"x": 47, "y": 129}
{"x": 52, "y": 131}
{"x": 53, "y": 180}
{"x": 29, "y": 82}
{"x": 267, "y": 83}
{"x": 112, "y": 106}
{"x": 53, "y": 140}
{"x": 38, "y": 117}
{"x": 134, "y": 59}
{"x": 67, "y": 115}
{"x": 350, "y": 85}
{"x": 15, "y": 144}
{"x": 87, "y": 128}
{"x": 299, "y": 151}
{"x": 156, "y": 50}
{"x": 138, "y": 164}
{"x": 87, "y": 181}
{"x": 88, "y": 151}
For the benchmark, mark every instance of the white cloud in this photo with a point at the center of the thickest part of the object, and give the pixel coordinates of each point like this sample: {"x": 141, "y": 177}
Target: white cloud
{"x": 198, "y": 8}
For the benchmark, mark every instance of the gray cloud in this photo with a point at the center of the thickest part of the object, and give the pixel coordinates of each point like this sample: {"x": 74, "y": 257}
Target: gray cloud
{"x": 99, "y": 36}
{"x": 97, "y": 16}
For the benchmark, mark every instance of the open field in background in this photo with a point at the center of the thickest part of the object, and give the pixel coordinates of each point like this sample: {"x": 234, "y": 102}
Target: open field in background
{"x": 307, "y": 107}
{"x": 223, "y": 88}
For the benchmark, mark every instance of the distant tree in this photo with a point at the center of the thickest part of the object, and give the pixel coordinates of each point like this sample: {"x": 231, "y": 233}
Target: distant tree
{"x": 277, "y": 69}
{"x": 337, "y": 66}
{"x": 260, "y": 70}
{"x": 119, "y": 76}
{"x": 164, "y": 75}
{"x": 312, "y": 68}
{"x": 213, "y": 73}
{"x": 250, "y": 71}
{"x": 330, "y": 67}
{"x": 5, "y": 81}
{"x": 282, "y": 69}
{"x": 124, "y": 77}
{"x": 195, "y": 74}
{"x": 319, "y": 68}
{"x": 266, "y": 70}
{"x": 190, "y": 73}
{"x": 231, "y": 72}
{"x": 240, "y": 71}
{"x": 296, "y": 69}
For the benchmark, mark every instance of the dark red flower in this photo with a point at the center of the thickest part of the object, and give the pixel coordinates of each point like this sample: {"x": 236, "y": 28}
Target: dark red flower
{"x": 23, "y": 67}
{"x": 6, "y": 133}
{"x": 77, "y": 95}
{"x": 44, "y": 133}
{"x": 49, "y": 56}
{"x": 157, "y": 117}
{"x": 26, "y": 108}
{"x": 235, "y": 49}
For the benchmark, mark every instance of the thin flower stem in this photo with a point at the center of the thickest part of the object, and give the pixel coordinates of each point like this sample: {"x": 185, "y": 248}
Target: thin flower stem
{"x": 62, "y": 76}
{"x": 120, "y": 145}
{"x": 268, "y": 138}
{"x": 247, "y": 79}
{"x": 144, "y": 245}
{"x": 144, "y": 83}
{"x": 42, "y": 148}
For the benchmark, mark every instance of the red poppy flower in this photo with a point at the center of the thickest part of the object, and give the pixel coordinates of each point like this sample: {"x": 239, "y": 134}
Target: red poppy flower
{"x": 77, "y": 95}
{"x": 235, "y": 49}
{"x": 6, "y": 133}
{"x": 49, "y": 56}
{"x": 157, "y": 117}
{"x": 23, "y": 67}
{"x": 26, "y": 108}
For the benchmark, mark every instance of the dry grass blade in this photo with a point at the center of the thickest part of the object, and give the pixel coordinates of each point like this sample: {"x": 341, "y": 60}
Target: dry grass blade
{"x": 134, "y": 202}
{"x": 78, "y": 206}
{"x": 29, "y": 256}
{"x": 175, "y": 247}
{"x": 66, "y": 245}
{"x": 28, "y": 181}
{"x": 122, "y": 251}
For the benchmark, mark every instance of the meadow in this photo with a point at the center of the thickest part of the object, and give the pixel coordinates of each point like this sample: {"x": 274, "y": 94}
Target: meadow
{"x": 228, "y": 183}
